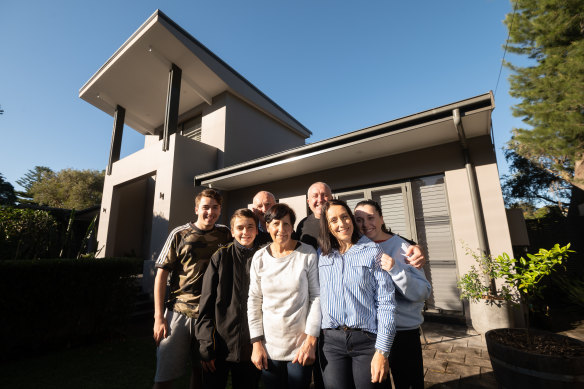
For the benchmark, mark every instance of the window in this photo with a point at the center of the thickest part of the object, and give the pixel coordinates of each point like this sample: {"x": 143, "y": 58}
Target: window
{"x": 395, "y": 206}
{"x": 192, "y": 128}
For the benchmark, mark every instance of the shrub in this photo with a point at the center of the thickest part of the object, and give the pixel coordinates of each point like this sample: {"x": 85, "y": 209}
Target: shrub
{"x": 26, "y": 233}
{"x": 522, "y": 278}
{"x": 58, "y": 302}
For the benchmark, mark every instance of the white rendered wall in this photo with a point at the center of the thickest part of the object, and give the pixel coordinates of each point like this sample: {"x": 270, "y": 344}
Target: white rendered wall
{"x": 252, "y": 134}
{"x": 173, "y": 193}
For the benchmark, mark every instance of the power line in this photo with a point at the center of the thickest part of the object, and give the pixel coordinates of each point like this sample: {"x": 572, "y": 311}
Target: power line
{"x": 506, "y": 45}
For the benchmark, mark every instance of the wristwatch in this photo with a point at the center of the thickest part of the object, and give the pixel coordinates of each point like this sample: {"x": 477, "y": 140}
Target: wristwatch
{"x": 384, "y": 353}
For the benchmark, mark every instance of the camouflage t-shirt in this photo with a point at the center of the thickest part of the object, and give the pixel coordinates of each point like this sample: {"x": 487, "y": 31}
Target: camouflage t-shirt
{"x": 185, "y": 255}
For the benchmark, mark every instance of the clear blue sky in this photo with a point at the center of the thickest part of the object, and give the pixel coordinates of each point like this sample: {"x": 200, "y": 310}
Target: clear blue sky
{"x": 336, "y": 66}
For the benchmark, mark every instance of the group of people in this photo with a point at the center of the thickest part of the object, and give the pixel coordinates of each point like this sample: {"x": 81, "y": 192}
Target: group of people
{"x": 339, "y": 300}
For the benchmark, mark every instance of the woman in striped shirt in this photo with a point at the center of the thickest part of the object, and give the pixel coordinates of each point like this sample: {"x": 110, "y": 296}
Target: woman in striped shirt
{"x": 412, "y": 289}
{"x": 357, "y": 303}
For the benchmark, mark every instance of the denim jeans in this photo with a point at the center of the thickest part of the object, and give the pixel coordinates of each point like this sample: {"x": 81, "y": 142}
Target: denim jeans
{"x": 345, "y": 359}
{"x": 285, "y": 374}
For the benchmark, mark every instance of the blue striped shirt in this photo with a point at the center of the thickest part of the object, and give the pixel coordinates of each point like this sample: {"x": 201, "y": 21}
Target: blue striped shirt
{"x": 355, "y": 292}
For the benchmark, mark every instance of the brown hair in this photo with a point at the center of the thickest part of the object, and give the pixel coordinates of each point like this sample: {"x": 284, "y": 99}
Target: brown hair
{"x": 377, "y": 207}
{"x": 326, "y": 239}
{"x": 278, "y": 211}
{"x": 246, "y": 213}
{"x": 211, "y": 193}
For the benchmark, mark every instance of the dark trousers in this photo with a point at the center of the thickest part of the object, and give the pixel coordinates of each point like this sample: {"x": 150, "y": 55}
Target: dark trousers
{"x": 285, "y": 374}
{"x": 345, "y": 359}
{"x": 316, "y": 372}
{"x": 244, "y": 375}
{"x": 405, "y": 360}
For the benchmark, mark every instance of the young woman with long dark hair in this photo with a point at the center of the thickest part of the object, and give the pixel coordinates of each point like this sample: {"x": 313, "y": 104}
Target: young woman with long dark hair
{"x": 357, "y": 303}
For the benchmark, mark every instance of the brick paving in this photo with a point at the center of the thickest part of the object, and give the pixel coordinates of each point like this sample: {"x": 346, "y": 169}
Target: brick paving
{"x": 455, "y": 357}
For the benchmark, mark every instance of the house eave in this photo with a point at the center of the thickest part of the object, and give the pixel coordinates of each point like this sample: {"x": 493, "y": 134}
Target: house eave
{"x": 135, "y": 77}
{"x": 425, "y": 129}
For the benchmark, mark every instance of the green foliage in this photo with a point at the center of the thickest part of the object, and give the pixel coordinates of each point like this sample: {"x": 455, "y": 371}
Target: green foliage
{"x": 26, "y": 233}
{"x": 551, "y": 89}
{"x": 529, "y": 184}
{"x": 59, "y": 302}
{"x": 33, "y": 175}
{"x": 526, "y": 275}
{"x": 69, "y": 188}
{"x": 549, "y": 212}
{"x": 522, "y": 278}
{"x": 7, "y": 194}
{"x": 476, "y": 284}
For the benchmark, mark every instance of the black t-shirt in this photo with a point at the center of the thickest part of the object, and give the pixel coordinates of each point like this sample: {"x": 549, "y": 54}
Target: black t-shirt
{"x": 308, "y": 230}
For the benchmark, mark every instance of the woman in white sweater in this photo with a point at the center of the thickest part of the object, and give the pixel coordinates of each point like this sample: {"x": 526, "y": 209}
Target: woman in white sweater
{"x": 284, "y": 305}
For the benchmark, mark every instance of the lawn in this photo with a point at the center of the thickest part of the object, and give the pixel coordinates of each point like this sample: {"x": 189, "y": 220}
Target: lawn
{"x": 124, "y": 362}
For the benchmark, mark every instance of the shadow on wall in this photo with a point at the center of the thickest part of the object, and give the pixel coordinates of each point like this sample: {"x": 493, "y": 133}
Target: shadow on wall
{"x": 160, "y": 231}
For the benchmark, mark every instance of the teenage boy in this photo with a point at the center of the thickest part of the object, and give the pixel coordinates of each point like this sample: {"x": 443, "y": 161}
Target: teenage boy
{"x": 222, "y": 329}
{"x": 184, "y": 257}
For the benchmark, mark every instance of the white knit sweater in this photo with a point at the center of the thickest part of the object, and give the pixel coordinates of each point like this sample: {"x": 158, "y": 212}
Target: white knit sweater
{"x": 284, "y": 303}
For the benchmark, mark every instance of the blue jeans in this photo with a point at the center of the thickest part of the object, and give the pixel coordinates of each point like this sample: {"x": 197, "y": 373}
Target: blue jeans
{"x": 285, "y": 374}
{"x": 345, "y": 359}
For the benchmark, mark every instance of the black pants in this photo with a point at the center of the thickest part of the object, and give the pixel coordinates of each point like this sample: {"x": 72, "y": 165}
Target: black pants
{"x": 405, "y": 360}
{"x": 244, "y": 375}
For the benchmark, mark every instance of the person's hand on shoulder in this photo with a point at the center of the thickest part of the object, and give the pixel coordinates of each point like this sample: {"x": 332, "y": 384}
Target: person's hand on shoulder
{"x": 415, "y": 256}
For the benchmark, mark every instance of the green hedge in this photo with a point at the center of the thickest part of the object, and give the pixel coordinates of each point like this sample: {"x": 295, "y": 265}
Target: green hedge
{"x": 58, "y": 302}
{"x": 28, "y": 233}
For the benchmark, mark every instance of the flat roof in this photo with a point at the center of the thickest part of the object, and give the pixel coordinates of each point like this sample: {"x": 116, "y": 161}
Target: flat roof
{"x": 136, "y": 78}
{"x": 422, "y": 130}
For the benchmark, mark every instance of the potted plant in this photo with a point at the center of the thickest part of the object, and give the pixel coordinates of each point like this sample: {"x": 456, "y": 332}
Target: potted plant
{"x": 525, "y": 357}
{"x": 491, "y": 306}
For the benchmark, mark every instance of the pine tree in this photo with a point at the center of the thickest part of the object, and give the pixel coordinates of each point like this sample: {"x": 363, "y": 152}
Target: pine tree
{"x": 7, "y": 195}
{"x": 551, "y": 34}
{"x": 33, "y": 175}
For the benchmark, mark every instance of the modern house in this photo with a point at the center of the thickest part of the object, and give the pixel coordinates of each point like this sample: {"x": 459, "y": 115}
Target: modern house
{"x": 204, "y": 125}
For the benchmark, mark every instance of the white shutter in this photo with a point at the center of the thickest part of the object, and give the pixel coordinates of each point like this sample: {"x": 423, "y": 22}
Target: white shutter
{"x": 352, "y": 199}
{"x": 435, "y": 235}
{"x": 394, "y": 209}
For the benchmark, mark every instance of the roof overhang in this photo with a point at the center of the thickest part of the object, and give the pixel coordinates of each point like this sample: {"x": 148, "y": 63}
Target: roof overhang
{"x": 426, "y": 129}
{"x": 136, "y": 78}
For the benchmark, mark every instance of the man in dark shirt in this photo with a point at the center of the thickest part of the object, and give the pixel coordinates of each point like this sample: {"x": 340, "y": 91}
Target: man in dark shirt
{"x": 261, "y": 202}
{"x": 309, "y": 227}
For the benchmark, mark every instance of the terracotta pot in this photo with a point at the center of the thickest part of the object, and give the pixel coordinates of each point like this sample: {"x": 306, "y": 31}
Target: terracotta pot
{"x": 516, "y": 369}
